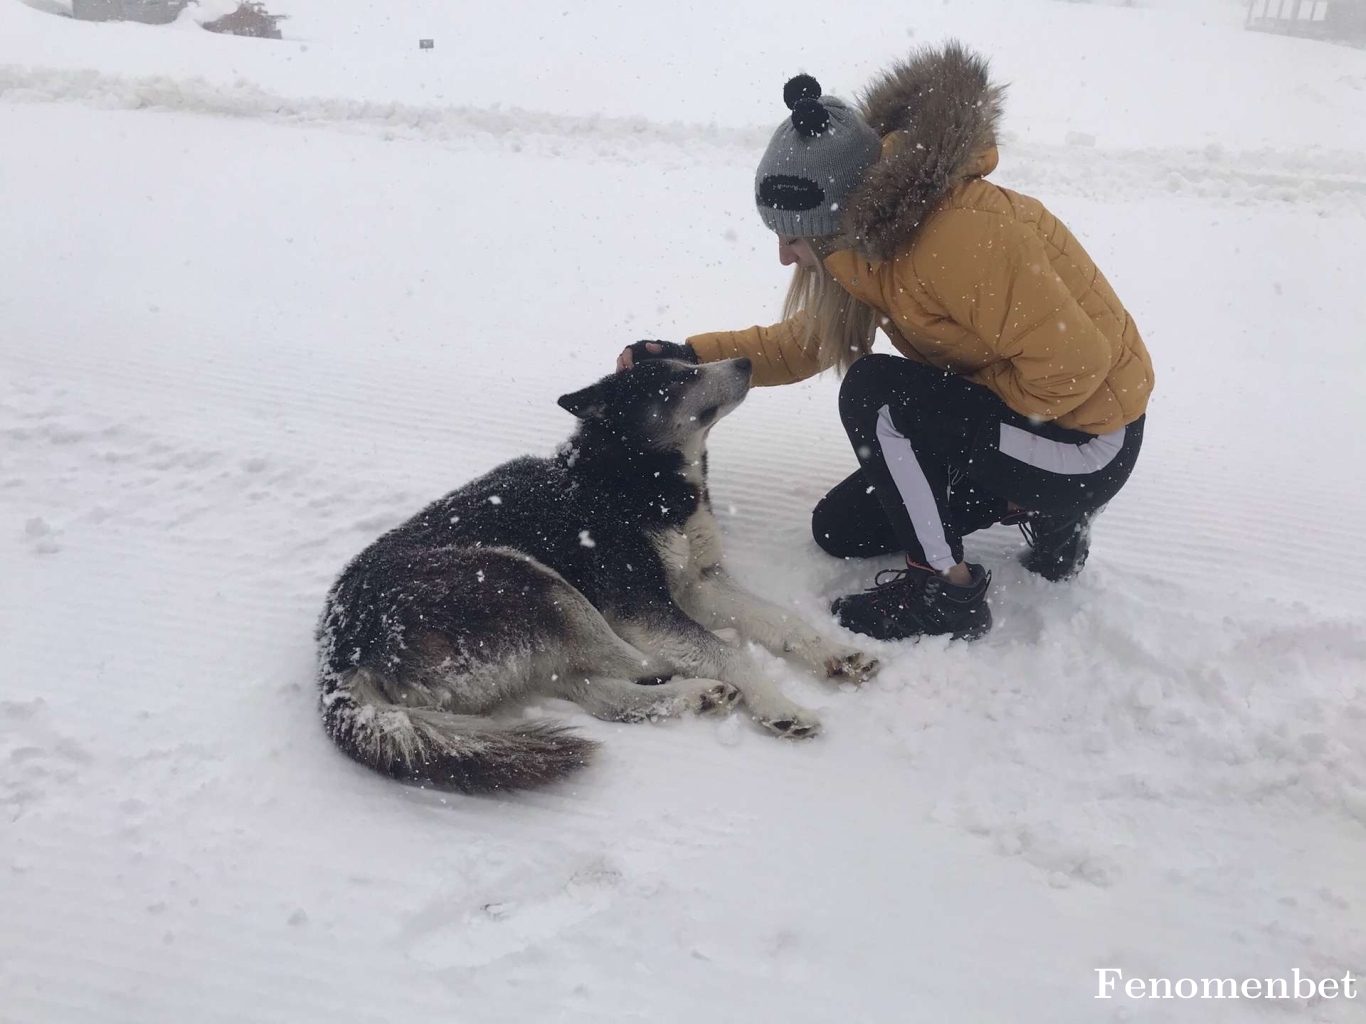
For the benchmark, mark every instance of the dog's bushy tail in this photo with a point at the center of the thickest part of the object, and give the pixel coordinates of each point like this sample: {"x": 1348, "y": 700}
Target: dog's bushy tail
{"x": 462, "y": 752}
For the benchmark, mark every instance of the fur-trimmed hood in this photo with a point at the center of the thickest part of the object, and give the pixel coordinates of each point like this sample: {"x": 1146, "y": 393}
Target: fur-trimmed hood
{"x": 937, "y": 112}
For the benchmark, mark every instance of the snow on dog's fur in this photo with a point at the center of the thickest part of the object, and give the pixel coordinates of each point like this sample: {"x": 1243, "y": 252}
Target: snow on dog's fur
{"x": 589, "y": 576}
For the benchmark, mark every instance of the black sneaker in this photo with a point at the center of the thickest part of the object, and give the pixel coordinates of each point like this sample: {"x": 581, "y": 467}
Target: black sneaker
{"x": 1058, "y": 544}
{"x": 917, "y": 601}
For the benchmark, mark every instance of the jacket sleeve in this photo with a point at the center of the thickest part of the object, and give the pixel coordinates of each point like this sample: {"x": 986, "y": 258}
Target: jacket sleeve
{"x": 779, "y": 353}
{"x": 992, "y": 275}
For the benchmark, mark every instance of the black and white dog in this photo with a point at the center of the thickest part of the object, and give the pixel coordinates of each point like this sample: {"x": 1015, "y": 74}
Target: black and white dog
{"x": 590, "y": 576}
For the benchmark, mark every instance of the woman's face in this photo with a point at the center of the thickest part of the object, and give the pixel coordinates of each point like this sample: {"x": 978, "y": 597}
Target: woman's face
{"x": 796, "y": 250}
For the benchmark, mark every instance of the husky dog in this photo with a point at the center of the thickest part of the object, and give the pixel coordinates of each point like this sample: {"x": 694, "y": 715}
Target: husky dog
{"x": 590, "y": 576}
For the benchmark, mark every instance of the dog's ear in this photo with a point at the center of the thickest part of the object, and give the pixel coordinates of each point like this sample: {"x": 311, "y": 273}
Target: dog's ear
{"x": 588, "y": 404}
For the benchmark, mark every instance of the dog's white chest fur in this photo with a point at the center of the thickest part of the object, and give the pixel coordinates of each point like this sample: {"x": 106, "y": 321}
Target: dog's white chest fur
{"x": 689, "y": 552}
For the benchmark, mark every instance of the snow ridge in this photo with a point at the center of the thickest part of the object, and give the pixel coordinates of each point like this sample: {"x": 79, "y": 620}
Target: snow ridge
{"x": 1079, "y": 167}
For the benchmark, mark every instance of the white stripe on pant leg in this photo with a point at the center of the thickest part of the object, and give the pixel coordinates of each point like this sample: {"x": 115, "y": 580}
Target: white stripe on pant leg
{"x": 1061, "y": 457}
{"x": 915, "y": 491}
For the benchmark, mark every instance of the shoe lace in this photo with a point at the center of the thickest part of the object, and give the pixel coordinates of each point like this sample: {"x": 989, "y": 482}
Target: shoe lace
{"x": 916, "y": 581}
{"x": 888, "y": 578}
{"x": 1053, "y": 538}
{"x": 897, "y": 585}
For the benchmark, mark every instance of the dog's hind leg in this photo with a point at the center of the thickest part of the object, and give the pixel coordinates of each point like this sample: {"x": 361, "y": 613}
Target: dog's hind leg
{"x": 670, "y": 635}
{"x": 620, "y": 700}
{"x": 603, "y": 667}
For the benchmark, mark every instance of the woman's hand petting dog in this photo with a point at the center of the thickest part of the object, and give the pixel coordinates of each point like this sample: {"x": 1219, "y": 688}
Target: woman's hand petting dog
{"x": 633, "y": 353}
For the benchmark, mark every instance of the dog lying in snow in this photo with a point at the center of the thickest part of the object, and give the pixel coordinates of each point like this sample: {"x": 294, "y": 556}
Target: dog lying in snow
{"x": 590, "y": 576}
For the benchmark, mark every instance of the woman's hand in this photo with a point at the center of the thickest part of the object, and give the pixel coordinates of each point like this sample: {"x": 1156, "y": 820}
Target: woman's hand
{"x": 631, "y": 354}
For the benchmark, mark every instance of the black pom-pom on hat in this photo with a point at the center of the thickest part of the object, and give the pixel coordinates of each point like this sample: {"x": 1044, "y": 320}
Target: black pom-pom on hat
{"x": 810, "y": 118}
{"x": 803, "y": 87}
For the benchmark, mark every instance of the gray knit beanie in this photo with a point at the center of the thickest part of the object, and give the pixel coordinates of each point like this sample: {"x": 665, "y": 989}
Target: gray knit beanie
{"x": 816, "y": 160}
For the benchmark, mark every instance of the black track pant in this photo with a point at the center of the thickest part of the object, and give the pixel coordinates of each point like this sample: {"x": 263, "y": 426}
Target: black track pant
{"x": 942, "y": 457}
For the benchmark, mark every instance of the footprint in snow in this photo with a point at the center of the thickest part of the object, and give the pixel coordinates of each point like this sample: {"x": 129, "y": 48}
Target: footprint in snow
{"x": 480, "y": 932}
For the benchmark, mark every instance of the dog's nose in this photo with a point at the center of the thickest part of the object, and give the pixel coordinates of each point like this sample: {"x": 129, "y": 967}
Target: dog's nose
{"x": 744, "y": 364}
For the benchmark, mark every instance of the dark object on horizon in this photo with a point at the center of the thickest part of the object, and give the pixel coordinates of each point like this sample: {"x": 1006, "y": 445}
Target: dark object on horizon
{"x": 250, "y": 19}
{"x": 426, "y": 44}
{"x": 1337, "y": 21}
{"x": 149, "y": 12}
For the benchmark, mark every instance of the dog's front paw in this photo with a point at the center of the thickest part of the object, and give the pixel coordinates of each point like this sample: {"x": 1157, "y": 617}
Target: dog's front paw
{"x": 797, "y": 725}
{"x": 717, "y": 699}
{"x": 850, "y": 666}
{"x": 835, "y": 661}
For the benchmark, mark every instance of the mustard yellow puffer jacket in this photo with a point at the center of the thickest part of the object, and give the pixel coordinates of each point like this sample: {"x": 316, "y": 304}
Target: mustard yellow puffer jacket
{"x": 972, "y": 278}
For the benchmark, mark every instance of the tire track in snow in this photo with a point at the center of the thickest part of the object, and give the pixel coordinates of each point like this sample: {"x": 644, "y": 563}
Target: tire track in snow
{"x": 1255, "y": 176}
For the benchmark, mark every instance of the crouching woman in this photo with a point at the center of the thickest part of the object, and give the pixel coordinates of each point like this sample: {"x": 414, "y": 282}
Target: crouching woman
{"x": 1021, "y": 384}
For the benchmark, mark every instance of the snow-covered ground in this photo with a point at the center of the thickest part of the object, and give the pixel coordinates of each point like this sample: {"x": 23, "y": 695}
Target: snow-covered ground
{"x": 260, "y": 301}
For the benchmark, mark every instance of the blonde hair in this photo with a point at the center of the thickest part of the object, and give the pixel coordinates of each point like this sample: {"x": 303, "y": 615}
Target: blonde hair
{"x": 838, "y": 328}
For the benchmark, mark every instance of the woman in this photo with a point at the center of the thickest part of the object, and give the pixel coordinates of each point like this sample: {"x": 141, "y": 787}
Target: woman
{"x": 1021, "y": 385}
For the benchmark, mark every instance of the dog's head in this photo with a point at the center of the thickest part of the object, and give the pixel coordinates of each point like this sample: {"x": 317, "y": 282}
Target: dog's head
{"x": 662, "y": 403}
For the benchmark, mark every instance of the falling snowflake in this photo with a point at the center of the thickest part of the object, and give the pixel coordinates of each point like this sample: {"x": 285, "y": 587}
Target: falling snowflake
{"x": 586, "y": 540}
{"x": 495, "y": 500}
{"x": 479, "y": 575}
